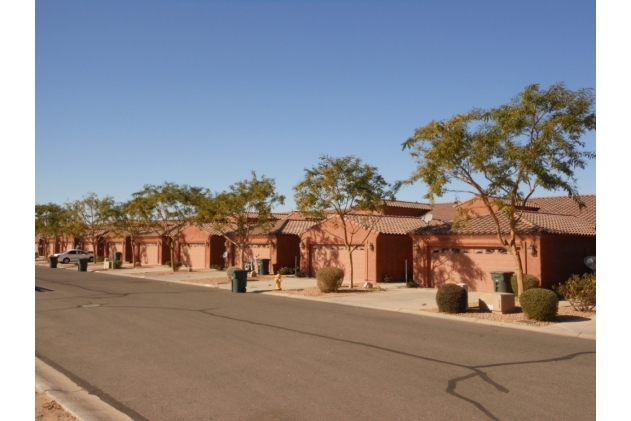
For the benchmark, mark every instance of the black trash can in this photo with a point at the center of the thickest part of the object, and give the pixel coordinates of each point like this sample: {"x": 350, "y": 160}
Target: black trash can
{"x": 263, "y": 266}
{"x": 118, "y": 256}
{"x": 52, "y": 261}
{"x": 501, "y": 280}
{"x": 239, "y": 280}
{"x": 83, "y": 265}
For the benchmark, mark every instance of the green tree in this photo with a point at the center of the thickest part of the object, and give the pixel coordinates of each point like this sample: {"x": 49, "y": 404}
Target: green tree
{"x": 90, "y": 216}
{"x": 126, "y": 220}
{"x": 348, "y": 187}
{"x": 502, "y": 155}
{"x": 50, "y": 221}
{"x": 244, "y": 209}
{"x": 166, "y": 210}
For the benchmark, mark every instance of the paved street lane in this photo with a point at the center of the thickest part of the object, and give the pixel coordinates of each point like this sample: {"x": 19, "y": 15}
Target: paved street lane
{"x": 166, "y": 351}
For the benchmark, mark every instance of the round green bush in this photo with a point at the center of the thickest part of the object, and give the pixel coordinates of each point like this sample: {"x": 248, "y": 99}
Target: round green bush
{"x": 539, "y": 304}
{"x": 530, "y": 281}
{"x": 451, "y": 299}
{"x": 329, "y": 279}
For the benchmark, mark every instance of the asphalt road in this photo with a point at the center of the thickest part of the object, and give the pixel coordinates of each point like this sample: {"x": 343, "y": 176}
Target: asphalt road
{"x": 165, "y": 351}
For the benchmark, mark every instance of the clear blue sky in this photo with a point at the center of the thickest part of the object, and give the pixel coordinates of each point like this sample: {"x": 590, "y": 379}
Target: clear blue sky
{"x": 136, "y": 92}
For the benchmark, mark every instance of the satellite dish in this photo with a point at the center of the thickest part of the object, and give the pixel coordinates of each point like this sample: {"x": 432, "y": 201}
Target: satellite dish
{"x": 427, "y": 217}
{"x": 590, "y": 262}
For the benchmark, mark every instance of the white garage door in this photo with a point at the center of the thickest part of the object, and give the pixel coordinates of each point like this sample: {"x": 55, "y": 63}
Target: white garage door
{"x": 193, "y": 255}
{"x": 336, "y": 255}
{"x": 472, "y": 266}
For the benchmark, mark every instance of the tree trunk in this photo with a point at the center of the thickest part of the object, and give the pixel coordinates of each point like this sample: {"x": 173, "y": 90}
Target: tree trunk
{"x": 350, "y": 258}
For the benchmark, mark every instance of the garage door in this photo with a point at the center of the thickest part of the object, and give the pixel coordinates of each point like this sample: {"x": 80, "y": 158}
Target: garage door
{"x": 255, "y": 251}
{"x": 337, "y": 256}
{"x": 116, "y": 248}
{"x": 149, "y": 254}
{"x": 193, "y": 255}
{"x": 472, "y": 266}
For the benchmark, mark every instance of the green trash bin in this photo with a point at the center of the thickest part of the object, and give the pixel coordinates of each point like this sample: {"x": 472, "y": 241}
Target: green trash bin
{"x": 83, "y": 265}
{"x": 501, "y": 281}
{"x": 239, "y": 280}
{"x": 52, "y": 262}
{"x": 263, "y": 266}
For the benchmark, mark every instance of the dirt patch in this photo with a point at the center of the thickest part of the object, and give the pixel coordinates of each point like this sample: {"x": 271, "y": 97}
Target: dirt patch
{"x": 46, "y": 409}
{"x": 565, "y": 314}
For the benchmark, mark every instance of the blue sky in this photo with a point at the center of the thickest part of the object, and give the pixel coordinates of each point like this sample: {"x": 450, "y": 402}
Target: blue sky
{"x": 136, "y": 92}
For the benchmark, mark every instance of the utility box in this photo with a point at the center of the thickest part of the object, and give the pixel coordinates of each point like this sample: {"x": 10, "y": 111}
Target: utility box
{"x": 498, "y": 302}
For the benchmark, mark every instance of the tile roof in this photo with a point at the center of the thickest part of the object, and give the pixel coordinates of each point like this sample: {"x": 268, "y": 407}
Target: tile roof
{"x": 409, "y": 205}
{"x": 564, "y": 205}
{"x": 389, "y": 224}
{"x": 293, "y": 226}
{"x": 530, "y": 223}
{"x": 445, "y": 212}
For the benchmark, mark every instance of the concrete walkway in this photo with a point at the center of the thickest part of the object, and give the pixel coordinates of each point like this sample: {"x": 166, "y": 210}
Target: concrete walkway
{"x": 396, "y": 297}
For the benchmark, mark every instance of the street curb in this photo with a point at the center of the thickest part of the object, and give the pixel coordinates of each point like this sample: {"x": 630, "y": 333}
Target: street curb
{"x": 72, "y": 398}
{"x": 448, "y": 317}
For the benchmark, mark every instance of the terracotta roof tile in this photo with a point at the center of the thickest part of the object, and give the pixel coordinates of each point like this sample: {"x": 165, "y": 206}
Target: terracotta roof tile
{"x": 531, "y": 223}
{"x": 409, "y": 205}
{"x": 294, "y": 226}
{"x": 564, "y": 205}
{"x": 389, "y": 224}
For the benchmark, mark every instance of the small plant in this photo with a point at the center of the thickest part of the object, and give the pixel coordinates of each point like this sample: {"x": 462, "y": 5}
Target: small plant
{"x": 118, "y": 264}
{"x": 411, "y": 284}
{"x": 100, "y": 259}
{"x": 539, "y": 304}
{"x": 218, "y": 267}
{"x": 530, "y": 281}
{"x": 329, "y": 279}
{"x": 285, "y": 271}
{"x": 579, "y": 291}
{"x": 177, "y": 265}
{"x": 452, "y": 299}
{"x": 130, "y": 261}
{"x": 299, "y": 274}
{"x": 230, "y": 271}
{"x": 167, "y": 263}
{"x": 387, "y": 279}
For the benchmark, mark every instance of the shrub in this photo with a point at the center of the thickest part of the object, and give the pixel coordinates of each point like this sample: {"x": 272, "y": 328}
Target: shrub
{"x": 100, "y": 259}
{"x": 285, "y": 271}
{"x": 130, "y": 261}
{"x": 452, "y": 299}
{"x": 387, "y": 278}
{"x": 530, "y": 281}
{"x": 218, "y": 267}
{"x": 118, "y": 264}
{"x": 580, "y": 291}
{"x": 230, "y": 271}
{"x": 167, "y": 263}
{"x": 299, "y": 274}
{"x": 539, "y": 304}
{"x": 329, "y": 279}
